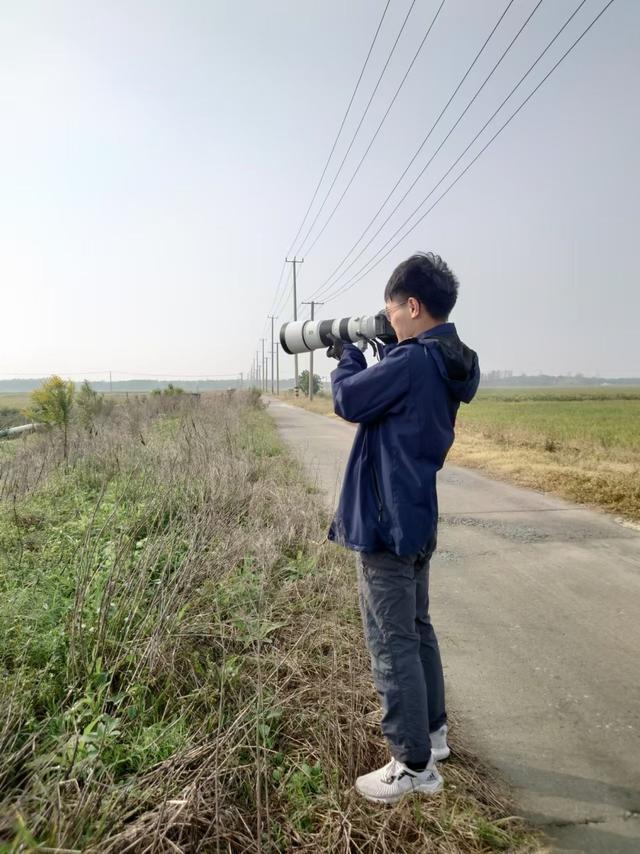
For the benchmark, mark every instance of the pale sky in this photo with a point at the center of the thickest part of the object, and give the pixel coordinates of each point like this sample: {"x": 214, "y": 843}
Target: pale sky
{"x": 157, "y": 158}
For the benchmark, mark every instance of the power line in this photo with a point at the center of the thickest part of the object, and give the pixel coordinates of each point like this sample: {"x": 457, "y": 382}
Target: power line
{"x": 285, "y": 293}
{"x": 442, "y": 143}
{"x": 357, "y": 130}
{"x": 276, "y": 308}
{"x": 357, "y": 277}
{"x": 342, "y": 123}
{"x": 377, "y": 131}
{"x": 326, "y": 282}
{"x": 282, "y": 269}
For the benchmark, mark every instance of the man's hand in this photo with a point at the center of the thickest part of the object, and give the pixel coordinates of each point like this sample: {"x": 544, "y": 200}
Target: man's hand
{"x": 336, "y": 349}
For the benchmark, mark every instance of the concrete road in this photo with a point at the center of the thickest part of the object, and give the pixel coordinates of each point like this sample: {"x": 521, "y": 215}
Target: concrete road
{"x": 537, "y": 606}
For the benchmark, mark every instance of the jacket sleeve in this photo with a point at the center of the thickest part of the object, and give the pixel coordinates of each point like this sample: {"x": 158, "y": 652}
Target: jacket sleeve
{"x": 362, "y": 394}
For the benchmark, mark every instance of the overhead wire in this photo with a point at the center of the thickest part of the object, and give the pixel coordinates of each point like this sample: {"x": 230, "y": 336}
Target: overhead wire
{"x": 327, "y": 282}
{"x": 377, "y": 131}
{"x": 357, "y": 130}
{"x": 283, "y": 299}
{"x": 342, "y": 123}
{"x": 438, "y": 149}
{"x": 276, "y": 298}
{"x": 357, "y": 277}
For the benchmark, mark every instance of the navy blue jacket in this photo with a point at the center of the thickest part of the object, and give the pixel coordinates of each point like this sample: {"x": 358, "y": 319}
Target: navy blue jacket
{"x": 406, "y": 407}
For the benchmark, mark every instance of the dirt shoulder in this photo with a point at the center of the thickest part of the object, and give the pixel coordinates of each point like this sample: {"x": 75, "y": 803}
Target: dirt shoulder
{"x": 583, "y": 475}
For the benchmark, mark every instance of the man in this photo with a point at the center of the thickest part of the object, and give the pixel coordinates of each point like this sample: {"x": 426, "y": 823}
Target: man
{"x": 406, "y": 407}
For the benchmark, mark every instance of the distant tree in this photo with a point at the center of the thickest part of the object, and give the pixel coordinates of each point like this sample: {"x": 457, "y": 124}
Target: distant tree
{"x": 91, "y": 406}
{"x": 52, "y": 404}
{"x": 172, "y": 390}
{"x": 303, "y": 382}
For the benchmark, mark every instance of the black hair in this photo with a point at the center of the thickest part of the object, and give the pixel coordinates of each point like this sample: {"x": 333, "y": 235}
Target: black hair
{"x": 427, "y": 278}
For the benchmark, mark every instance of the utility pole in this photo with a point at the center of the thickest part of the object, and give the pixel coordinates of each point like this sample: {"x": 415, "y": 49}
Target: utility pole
{"x": 110, "y": 383}
{"x": 271, "y": 317}
{"x": 241, "y": 379}
{"x": 257, "y": 370}
{"x": 295, "y": 261}
{"x": 278, "y": 370}
{"x": 313, "y": 304}
{"x": 263, "y": 386}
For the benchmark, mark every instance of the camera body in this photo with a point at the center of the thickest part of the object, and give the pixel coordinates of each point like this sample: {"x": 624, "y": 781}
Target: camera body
{"x": 301, "y": 336}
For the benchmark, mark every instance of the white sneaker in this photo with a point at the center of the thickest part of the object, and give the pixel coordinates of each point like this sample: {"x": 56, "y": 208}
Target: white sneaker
{"x": 389, "y": 784}
{"x": 439, "y": 747}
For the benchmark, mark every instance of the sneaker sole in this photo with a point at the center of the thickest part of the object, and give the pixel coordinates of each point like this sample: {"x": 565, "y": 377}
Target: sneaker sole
{"x": 393, "y": 799}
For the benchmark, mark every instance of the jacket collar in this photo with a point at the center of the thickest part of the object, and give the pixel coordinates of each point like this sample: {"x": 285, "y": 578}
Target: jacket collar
{"x": 437, "y": 331}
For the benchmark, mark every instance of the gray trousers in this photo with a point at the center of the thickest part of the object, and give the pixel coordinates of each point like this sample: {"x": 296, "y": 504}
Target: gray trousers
{"x": 405, "y": 657}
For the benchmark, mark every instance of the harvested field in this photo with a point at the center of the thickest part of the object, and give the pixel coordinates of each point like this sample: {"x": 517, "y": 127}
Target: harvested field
{"x": 182, "y": 667}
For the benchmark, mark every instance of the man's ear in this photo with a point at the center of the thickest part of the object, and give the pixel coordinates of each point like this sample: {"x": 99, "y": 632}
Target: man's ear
{"x": 414, "y": 305}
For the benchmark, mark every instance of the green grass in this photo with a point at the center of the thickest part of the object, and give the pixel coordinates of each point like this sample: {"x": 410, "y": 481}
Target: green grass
{"x": 591, "y": 417}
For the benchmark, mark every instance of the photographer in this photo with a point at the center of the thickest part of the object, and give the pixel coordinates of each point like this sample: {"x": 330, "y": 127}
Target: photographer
{"x": 406, "y": 407}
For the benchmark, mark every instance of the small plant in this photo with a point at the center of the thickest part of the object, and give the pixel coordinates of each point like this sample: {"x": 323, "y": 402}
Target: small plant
{"x": 52, "y": 404}
{"x": 302, "y": 787}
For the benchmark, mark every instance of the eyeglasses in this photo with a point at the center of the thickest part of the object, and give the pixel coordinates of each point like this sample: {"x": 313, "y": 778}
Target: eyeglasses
{"x": 389, "y": 311}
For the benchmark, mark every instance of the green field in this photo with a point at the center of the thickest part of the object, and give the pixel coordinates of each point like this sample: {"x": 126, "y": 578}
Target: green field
{"x": 13, "y": 400}
{"x": 11, "y": 409}
{"x": 571, "y": 419}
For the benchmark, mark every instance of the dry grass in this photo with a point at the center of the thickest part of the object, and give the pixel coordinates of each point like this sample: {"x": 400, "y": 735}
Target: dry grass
{"x": 182, "y": 661}
{"x": 321, "y": 403}
{"x": 586, "y": 478}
